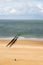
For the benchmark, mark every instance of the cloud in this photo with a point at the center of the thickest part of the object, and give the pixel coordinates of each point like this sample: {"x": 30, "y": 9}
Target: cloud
{"x": 21, "y": 7}
{"x": 40, "y": 7}
{"x": 12, "y": 11}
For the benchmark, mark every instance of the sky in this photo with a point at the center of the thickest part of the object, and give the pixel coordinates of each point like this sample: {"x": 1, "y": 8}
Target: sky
{"x": 21, "y": 9}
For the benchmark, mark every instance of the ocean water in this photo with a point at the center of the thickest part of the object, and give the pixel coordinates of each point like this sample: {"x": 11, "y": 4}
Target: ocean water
{"x": 25, "y": 28}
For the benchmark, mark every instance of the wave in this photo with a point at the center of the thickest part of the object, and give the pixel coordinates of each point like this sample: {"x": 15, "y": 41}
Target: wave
{"x": 22, "y": 38}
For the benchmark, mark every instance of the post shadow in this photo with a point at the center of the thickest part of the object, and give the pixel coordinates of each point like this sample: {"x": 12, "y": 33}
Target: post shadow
{"x": 12, "y": 41}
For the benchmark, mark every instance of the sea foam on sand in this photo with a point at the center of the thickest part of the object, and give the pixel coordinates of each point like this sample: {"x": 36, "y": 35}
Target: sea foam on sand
{"x": 36, "y": 39}
{"x": 22, "y": 38}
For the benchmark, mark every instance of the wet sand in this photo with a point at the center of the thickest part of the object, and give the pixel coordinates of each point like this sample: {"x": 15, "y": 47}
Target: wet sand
{"x": 26, "y": 52}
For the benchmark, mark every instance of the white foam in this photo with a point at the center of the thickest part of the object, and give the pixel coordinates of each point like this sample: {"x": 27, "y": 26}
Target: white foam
{"x": 22, "y": 38}
{"x": 37, "y": 39}
{"x": 8, "y": 38}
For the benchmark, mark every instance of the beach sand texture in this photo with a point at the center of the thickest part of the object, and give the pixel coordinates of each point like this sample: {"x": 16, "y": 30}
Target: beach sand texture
{"x": 26, "y": 52}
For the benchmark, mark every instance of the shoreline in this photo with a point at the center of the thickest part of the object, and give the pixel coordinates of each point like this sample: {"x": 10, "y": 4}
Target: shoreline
{"x": 22, "y": 42}
{"x": 22, "y": 38}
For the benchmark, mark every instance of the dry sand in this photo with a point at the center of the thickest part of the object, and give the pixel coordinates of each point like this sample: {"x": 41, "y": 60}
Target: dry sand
{"x": 26, "y": 52}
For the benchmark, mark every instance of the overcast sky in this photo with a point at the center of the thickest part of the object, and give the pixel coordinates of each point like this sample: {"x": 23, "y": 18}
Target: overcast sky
{"x": 21, "y": 9}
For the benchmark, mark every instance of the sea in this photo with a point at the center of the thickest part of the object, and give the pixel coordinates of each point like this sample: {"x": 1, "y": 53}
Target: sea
{"x": 25, "y": 29}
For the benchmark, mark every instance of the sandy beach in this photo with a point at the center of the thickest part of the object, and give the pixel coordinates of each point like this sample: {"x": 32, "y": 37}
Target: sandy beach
{"x": 26, "y": 52}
